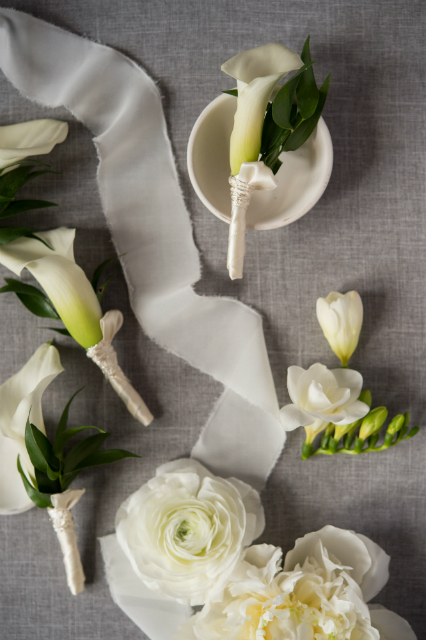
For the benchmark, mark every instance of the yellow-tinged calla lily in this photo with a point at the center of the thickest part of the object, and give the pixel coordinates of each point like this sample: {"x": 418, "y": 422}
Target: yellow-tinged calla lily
{"x": 257, "y": 72}
{"x": 62, "y": 279}
{"x": 34, "y": 138}
{"x": 18, "y": 395}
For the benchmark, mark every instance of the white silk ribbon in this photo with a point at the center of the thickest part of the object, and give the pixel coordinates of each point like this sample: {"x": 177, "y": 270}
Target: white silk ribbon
{"x": 63, "y": 524}
{"x": 252, "y": 176}
{"x": 149, "y": 222}
{"x": 103, "y": 354}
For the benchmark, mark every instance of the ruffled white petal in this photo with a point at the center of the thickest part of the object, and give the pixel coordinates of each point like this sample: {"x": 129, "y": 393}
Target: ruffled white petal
{"x": 34, "y": 138}
{"x": 378, "y": 574}
{"x": 390, "y": 625}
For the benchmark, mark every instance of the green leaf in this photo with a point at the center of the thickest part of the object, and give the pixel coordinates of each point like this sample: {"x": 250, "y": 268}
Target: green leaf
{"x": 307, "y": 127}
{"x": 39, "y": 449}
{"x": 62, "y": 424}
{"x": 275, "y": 167}
{"x": 283, "y": 101}
{"x": 68, "y": 478}
{"x": 8, "y": 234}
{"x": 83, "y": 449}
{"x": 63, "y": 332}
{"x": 33, "y": 299}
{"x": 12, "y": 181}
{"x": 45, "y": 484}
{"x": 41, "y": 500}
{"x": 99, "y": 271}
{"x": 272, "y": 134}
{"x": 62, "y": 439}
{"x": 105, "y": 457}
{"x": 307, "y": 91}
{"x": 19, "y": 206}
{"x": 101, "y": 290}
{"x": 232, "y": 92}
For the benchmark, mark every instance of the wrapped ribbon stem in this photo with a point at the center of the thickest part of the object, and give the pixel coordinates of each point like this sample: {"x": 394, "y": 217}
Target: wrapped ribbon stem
{"x": 104, "y": 355}
{"x": 252, "y": 176}
{"x": 64, "y": 526}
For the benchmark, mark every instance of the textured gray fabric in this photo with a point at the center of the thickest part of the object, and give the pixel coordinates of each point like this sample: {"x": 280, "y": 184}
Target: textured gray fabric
{"x": 367, "y": 233}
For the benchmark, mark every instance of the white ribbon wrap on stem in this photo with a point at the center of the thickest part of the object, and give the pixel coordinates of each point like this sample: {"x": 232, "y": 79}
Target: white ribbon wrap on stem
{"x": 149, "y": 223}
{"x": 63, "y": 524}
{"x": 252, "y": 176}
{"x": 103, "y": 354}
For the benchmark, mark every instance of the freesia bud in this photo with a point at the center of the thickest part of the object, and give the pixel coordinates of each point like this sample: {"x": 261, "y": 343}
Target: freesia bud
{"x": 340, "y": 317}
{"x": 396, "y": 424}
{"x": 257, "y": 72}
{"x": 373, "y": 422}
{"x": 34, "y": 138}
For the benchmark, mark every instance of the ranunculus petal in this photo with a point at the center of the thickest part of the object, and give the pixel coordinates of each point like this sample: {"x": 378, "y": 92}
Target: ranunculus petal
{"x": 18, "y": 395}
{"x": 378, "y": 574}
{"x": 34, "y": 138}
{"x": 390, "y": 625}
{"x": 344, "y": 545}
{"x": 293, "y": 417}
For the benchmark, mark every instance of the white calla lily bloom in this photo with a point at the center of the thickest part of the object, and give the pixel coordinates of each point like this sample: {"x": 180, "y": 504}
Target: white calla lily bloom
{"x": 321, "y": 593}
{"x": 185, "y": 530}
{"x": 34, "y": 138}
{"x": 321, "y": 393}
{"x": 340, "y": 316}
{"x": 62, "y": 279}
{"x": 18, "y": 395}
{"x": 257, "y": 71}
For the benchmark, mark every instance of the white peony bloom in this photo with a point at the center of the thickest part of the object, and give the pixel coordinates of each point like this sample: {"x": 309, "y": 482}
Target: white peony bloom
{"x": 185, "y": 530}
{"x": 320, "y": 595}
{"x": 18, "y": 395}
{"x": 34, "y": 138}
{"x": 62, "y": 279}
{"x": 257, "y": 72}
{"x": 318, "y": 393}
{"x": 340, "y": 316}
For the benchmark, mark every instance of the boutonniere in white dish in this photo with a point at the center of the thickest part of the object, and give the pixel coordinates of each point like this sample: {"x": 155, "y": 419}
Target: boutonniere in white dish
{"x": 265, "y": 127}
{"x": 321, "y": 592}
{"x": 35, "y": 471}
{"x": 70, "y": 297}
{"x": 333, "y": 402}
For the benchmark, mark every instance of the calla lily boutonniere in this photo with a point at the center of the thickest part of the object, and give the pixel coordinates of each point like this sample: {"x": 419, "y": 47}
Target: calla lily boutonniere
{"x": 70, "y": 297}
{"x": 263, "y": 130}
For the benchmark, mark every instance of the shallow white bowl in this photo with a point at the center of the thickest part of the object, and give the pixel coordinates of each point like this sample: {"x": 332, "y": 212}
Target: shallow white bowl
{"x": 302, "y": 179}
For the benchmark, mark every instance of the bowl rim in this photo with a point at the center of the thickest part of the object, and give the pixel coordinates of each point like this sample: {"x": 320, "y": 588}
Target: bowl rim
{"x": 322, "y": 185}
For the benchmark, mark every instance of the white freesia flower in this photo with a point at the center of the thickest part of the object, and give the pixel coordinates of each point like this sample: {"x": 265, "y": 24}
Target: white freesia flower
{"x": 18, "y": 395}
{"x": 340, "y": 316}
{"x": 34, "y": 138}
{"x": 185, "y": 530}
{"x": 320, "y": 594}
{"x": 62, "y": 279}
{"x": 318, "y": 393}
{"x": 257, "y": 72}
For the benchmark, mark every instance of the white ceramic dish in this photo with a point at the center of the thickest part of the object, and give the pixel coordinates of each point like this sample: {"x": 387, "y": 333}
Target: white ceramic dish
{"x": 302, "y": 179}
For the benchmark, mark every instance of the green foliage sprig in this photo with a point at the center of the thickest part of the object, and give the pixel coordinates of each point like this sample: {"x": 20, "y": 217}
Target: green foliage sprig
{"x": 54, "y": 470}
{"x": 10, "y": 183}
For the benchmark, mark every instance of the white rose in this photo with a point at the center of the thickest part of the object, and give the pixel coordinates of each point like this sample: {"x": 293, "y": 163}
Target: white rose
{"x": 185, "y": 530}
{"x": 320, "y": 594}
{"x": 318, "y": 393}
{"x": 340, "y": 316}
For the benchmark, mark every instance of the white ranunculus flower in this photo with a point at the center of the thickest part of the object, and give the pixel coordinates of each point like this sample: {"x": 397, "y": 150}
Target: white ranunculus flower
{"x": 320, "y": 594}
{"x": 62, "y": 279}
{"x": 34, "y": 138}
{"x": 18, "y": 395}
{"x": 340, "y": 316}
{"x": 185, "y": 530}
{"x": 257, "y": 72}
{"x": 318, "y": 393}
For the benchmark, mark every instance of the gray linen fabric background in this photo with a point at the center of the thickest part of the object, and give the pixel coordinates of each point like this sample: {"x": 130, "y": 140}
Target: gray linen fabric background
{"x": 367, "y": 232}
